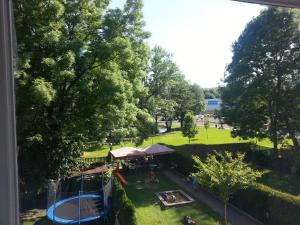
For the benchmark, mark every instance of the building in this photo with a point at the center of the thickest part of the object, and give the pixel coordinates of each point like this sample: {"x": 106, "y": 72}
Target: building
{"x": 211, "y": 105}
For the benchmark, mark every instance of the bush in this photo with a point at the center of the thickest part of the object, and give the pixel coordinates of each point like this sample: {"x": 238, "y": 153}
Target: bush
{"x": 123, "y": 206}
{"x": 268, "y": 205}
{"x": 181, "y": 161}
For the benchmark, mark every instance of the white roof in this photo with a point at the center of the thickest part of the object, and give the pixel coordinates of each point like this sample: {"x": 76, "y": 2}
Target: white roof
{"x": 157, "y": 149}
{"x": 127, "y": 152}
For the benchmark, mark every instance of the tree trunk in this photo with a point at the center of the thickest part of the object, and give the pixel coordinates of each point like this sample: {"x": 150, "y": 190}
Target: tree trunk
{"x": 292, "y": 134}
{"x": 181, "y": 119}
{"x": 225, "y": 212}
{"x": 168, "y": 125}
{"x": 273, "y": 114}
{"x": 295, "y": 142}
{"x": 156, "y": 124}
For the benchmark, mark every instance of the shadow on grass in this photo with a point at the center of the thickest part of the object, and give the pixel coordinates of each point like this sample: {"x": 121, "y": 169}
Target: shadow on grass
{"x": 207, "y": 215}
{"x": 42, "y": 221}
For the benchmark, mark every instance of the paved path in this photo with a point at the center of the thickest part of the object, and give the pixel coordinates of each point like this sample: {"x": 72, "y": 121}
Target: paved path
{"x": 235, "y": 216}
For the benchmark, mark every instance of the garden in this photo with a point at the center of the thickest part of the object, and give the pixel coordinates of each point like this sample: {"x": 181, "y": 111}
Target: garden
{"x": 148, "y": 208}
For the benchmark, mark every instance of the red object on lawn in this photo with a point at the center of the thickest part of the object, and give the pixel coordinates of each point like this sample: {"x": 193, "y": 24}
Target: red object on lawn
{"x": 120, "y": 178}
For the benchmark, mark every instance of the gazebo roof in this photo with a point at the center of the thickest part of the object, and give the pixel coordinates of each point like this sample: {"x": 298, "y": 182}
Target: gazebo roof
{"x": 157, "y": 149}
{"x": 95, "y": 170}
{"x": 127, "y": 153}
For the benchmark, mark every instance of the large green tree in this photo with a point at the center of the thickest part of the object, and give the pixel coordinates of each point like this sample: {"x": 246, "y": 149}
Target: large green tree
{"x": 167, "y": 84}
{"x": 189, "y": 98}
{"x": 163, "y": 76}
{"x": 261, "y": 97}
{"x": 79, "y": 78}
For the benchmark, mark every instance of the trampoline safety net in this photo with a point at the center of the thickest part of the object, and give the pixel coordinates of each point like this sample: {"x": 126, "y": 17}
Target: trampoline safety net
{"x": 74, "y": 207}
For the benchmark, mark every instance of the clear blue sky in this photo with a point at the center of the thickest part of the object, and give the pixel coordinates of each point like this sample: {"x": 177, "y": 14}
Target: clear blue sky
{"x": 199, "y": 33}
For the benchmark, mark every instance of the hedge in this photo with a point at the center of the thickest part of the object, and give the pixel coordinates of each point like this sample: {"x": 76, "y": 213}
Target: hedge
{"x": 268, "y": 205}
{"x": 123, "y": 206}
{"x": 181, "y": 161}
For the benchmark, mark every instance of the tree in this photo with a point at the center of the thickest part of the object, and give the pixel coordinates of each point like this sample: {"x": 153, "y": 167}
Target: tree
{"x": 206, "y": 125}
{"x": 79, "y": 78}
{"x": 198, "y": 99}
{"x": 189, "y": 128}
{"x": 264, "y": 72}
{"x": 166, "y": 81}
{"x": 224, "y": 174}
{"x": 163, "y": 73}
{"x": 189, "y": 98}
{"x": 163, "y": 76}
{"x": 211, "y": 93}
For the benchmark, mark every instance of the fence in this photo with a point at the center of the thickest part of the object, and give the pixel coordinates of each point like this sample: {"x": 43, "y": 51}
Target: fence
{"x": 101, "y": 160}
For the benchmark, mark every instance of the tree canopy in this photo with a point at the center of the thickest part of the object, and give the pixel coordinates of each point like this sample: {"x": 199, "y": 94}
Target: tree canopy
{"x": 261, "y": 96}
{"x": 211, "y": 93}
{"x": 80, "y": 77}
{"x": 170, "y": 94}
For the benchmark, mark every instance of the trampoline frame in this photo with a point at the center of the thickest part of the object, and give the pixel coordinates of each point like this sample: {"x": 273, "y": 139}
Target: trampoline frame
{"x": 51, "y": 210}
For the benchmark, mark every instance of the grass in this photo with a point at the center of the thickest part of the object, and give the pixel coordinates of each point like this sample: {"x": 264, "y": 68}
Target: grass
{"x": 34, "y": 217}
{"x": 148, "y": 210}
{"x": 175, "y": 138}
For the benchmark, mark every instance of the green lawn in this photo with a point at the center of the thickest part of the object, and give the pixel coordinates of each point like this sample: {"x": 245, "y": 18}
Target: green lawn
{"x": 148, "y": 210}
{"x": 175, "y": 138}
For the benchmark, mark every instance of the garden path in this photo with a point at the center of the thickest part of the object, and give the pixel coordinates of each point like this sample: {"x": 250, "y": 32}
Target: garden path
{"x": 235, "y": 215}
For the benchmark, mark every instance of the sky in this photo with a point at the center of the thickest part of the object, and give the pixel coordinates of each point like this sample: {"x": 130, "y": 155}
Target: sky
{"x": 199, "y": 33}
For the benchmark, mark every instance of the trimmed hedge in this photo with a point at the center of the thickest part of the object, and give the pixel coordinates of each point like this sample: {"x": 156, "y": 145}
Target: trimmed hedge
{"x": 123, "y": 206}
{"x": 268, "y": 205}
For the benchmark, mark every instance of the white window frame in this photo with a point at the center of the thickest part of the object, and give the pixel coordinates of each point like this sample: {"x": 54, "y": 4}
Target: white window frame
{"x": 9, "y": 204}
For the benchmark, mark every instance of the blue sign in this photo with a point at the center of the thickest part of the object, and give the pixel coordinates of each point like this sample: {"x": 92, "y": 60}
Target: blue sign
{"x": 212, "y": 102}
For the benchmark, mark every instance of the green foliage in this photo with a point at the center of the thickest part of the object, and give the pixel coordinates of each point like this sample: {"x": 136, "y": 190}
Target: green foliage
{"x": 225, "y": 174}
{"x": 206, "y": 125}
{"x": 211, "y": 93}
{"x": 263, "y": 74}
{"x": 122, "y": 206}
{"x": 189, "y": 128}
{"x": 181, "y": 161}
{"x": 268, "y": 205}
{"x": 80, "y": 78}
{"x": 170, "y": 95}
{"x": 148, "y": 212}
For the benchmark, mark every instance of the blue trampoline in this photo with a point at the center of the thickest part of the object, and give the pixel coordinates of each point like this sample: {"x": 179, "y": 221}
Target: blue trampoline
{"x": 78, "y": 209}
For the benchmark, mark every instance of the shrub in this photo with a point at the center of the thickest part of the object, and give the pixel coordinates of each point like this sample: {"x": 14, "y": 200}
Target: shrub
{"x": 268, "y": 205}
{"x": 182, "y": 162}
{"x": 123, "y": 206}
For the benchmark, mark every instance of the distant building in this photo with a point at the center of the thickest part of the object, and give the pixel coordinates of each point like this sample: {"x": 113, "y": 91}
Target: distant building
{"x": 212, "y": 105}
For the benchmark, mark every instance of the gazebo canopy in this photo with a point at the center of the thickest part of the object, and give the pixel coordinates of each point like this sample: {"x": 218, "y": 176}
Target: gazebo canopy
{"x": 157, "y": 149}
{"x": 95, "y": 170}
{"x": 132, "y": 153}
{"x": 127, "y": 153}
